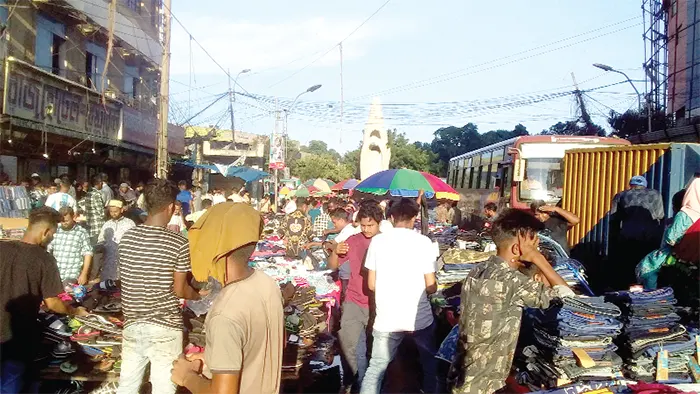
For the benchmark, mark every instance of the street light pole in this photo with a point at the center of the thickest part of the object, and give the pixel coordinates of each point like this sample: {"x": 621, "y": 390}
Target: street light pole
{"x": 605, "y": 67}
{"x": 232, "y": 99}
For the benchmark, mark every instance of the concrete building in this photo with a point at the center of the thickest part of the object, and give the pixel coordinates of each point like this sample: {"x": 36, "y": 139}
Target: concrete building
{"x": 683, "y": 58}
{"x": 71, "y": 106}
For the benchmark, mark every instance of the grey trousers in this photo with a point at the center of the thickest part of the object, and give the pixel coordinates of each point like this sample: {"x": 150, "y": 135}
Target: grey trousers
{"x": 353, "y": 327}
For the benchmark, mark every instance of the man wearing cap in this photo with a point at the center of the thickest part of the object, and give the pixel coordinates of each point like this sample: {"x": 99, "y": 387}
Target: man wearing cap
{"x": 127, "y": 194}
{"x": 109, "y": 238}
{"x": 36, "y": 192}
{"x": 636, "y": 227}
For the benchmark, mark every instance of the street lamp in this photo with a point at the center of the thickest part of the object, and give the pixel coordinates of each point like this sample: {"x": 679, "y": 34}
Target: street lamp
{"x": 286, "y": 113}
{"x": 232, "y": 98}
{"x": 605, "y": 67}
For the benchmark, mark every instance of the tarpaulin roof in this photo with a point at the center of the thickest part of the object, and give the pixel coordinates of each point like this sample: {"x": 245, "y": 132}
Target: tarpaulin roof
{"x": 246, "y": 173}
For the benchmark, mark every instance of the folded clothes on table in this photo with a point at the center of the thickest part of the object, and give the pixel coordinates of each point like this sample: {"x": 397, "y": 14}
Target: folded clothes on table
{"x": 655, "y": 297}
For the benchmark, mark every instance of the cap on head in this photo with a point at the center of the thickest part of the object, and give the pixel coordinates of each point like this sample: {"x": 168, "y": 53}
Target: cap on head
{"x": 638, "y": 180}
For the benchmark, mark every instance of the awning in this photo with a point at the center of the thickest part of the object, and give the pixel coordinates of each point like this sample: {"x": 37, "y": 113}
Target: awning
{"x": 246, "y": 173}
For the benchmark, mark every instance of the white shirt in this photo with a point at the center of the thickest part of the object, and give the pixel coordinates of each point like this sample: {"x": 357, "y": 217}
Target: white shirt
{"x": 235, "y": 197}
{"x": 110, "y": 236}
{"x": 194, "y": 217}
{"x": 400, "y": 258}
{"x": 218, "y": 199}
{"x": 290, "y": 207}
{"x": 59, "y": 200}
{"x": 350, "y": 230}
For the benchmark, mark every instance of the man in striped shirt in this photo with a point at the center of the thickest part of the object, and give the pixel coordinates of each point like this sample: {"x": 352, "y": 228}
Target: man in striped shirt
{"x": 153, "y": 268}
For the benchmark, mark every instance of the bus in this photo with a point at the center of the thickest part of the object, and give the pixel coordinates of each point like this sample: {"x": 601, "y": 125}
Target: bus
{"x": 516, "y": 172}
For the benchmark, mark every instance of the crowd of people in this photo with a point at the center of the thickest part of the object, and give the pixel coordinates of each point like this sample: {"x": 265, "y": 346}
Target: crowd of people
{"x": 385, "y": 265}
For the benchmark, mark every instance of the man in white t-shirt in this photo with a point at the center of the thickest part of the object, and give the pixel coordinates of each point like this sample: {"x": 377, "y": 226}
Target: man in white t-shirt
{"x": 401, "y": 272}
{"x": 61, "y": 198}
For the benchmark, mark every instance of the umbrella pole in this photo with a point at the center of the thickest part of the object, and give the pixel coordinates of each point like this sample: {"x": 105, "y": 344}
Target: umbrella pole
{"x": 424, "y": 216}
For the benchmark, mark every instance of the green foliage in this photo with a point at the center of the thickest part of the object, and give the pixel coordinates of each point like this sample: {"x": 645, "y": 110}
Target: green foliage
{"x": 407, "y": 155}
{"x": 321, "y": 166}
{"x": 633, "y": 122}
{"x": 574, "y": 127}
{"x": 452, "y": 141}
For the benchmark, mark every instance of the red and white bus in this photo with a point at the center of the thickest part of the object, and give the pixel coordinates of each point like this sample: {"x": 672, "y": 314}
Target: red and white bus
{"x": 517, "y": 171}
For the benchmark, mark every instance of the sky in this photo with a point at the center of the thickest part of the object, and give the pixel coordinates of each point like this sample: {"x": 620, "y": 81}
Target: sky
{"x": 431, "y": 64}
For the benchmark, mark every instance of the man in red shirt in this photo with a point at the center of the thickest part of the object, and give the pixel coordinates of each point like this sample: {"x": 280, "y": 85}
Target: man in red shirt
{"x": 355, "y": 317}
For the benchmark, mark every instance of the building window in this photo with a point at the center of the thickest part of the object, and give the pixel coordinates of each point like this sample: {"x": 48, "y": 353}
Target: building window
{"x": 131, "y": 81}
{"x": 50, "y": 36}
{"x": 133, "y": 4}
{"x": 674, "y": 7}
{"x": 94, "y": 65}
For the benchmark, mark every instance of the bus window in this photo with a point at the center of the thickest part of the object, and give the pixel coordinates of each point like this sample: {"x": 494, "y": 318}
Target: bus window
{"x": 544, "y": 180}
{"x": 472, "y": 178}
{"x": 483, "y": 177}
{"x": 467, "y": 178}
{"x": 506, "y": 179}
{"x": 493, "y": 175}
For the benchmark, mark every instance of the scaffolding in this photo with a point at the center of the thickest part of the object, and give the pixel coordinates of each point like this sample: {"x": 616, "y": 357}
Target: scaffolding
{"x": 655, "y": 53}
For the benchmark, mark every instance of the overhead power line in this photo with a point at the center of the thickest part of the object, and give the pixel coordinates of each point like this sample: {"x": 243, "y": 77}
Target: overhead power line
{"x": 331, "y": 48}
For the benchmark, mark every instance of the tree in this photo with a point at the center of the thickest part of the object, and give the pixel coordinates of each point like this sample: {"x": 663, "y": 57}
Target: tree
{"x": 633, "y": 123}
{"x": 574, "y": 127}
{"x": 324, "y": 166}
{"x": 452, "y": 141}
{"x": 407, "y": 155}
{"x": 320, "y": 148}
{"x": 352, "y": 160}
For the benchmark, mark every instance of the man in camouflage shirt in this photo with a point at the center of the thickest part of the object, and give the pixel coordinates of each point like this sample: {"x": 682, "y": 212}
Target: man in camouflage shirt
{"x": 493, "y": 296}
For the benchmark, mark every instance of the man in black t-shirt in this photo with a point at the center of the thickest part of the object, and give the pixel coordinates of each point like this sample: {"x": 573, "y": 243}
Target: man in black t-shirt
{"x": 28, "y": 276}
{"x": 557, "y": 220}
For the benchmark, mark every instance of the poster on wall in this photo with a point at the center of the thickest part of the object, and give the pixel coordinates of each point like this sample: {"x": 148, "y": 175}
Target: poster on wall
{"x": 8, "y": 169}
{"x": 277, "y": 148}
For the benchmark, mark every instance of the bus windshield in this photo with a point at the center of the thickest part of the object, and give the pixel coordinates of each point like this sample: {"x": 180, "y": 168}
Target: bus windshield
{"x": 544, "y": 180}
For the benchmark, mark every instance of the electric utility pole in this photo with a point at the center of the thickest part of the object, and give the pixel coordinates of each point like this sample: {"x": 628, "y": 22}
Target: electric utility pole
{"x": 162, "y": 139}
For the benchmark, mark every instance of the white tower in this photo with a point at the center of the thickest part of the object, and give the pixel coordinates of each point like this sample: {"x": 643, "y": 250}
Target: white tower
{"x": 375, "y": 154}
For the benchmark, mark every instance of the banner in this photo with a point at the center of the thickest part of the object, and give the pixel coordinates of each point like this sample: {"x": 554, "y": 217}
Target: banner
{"x": 277, "y": 152}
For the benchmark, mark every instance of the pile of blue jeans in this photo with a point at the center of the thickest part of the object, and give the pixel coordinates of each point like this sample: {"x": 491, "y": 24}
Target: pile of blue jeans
{"x": 650, "y": 325}
{"x": 574, "y": 274}
{"x": 587, "y": 323}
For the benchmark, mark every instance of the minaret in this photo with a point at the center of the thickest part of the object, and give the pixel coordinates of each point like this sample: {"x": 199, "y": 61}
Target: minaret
{"x": 375, "y": 154}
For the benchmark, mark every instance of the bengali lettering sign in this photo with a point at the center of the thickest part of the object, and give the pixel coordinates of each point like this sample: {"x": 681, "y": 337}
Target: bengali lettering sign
{"x": 59, "y": 105}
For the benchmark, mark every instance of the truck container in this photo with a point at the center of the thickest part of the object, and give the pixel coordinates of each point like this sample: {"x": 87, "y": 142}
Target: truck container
{"x": 592, "y": 177}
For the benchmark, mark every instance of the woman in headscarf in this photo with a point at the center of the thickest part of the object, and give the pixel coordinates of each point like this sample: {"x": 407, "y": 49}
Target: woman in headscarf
{"x": 648, "y": 269}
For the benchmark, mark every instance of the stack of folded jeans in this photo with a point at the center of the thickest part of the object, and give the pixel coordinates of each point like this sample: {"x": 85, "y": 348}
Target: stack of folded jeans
{"x": 652, "y": 325}
{"x": 585, "y": 323}
{"x": 574, "y": 274}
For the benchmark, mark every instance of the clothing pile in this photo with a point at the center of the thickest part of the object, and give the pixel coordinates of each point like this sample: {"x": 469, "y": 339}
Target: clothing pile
{"x": 14, "y": 202}
{"x": 652, "y": 325}
{"x": 457, "y": 263}
{"x": 571, "y": 341}
{"x": 573, "y": 272}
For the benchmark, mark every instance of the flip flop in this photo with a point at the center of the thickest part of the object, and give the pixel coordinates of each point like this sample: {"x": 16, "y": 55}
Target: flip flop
{"x": 62, "y": 350}
{"x": 100, "y": 323}
{"x": 55, "y": 325}
{"x": 85, "y": 333}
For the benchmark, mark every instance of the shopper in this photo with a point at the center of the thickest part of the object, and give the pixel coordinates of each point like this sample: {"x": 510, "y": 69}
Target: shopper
{"x": 323, "y": 221}
{"x": 28, "y": 277}
{"x": 127, "y": 194}
{"x": 94, "y": 209}
{"x": 355, "y": 318}
{"x": 455, "y": 214}
{"x": 557, "y": 220}
{"x": 245, "y": 340}
{"x": 72, "y": 249}
{"x": 493, "y": 297}
{"x": 442, "y": 212}
{"x": 193, "y": 217}
{"x": 153, "y": 268}
{"x": 36, "y": 191}
{"x": 296, "y": 230}
{"x": 109, "y": 238}
{"x": 648, "y": 269}
{"x": 184, "y": 197}
{"x": 636, "y": 229}
{"x": 61, "y": 198}
{"x": 106, "y": 190}
{"x": 401, "y": 272}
